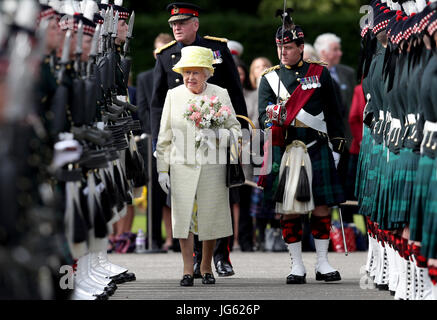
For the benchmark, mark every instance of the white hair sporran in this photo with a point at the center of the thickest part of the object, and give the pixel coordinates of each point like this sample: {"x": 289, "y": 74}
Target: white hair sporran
{"x": 295, "y": 157}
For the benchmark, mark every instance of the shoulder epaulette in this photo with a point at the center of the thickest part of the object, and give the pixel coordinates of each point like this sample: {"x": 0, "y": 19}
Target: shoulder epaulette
{"x": 168, "y": 45}
{"x": 216, "y": 39}
{"x": 271, "y": 69}
{"x": 317, "y": 62}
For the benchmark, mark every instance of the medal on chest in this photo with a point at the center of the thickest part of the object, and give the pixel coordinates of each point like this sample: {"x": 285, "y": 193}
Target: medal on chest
{"x": 309, "y": 83}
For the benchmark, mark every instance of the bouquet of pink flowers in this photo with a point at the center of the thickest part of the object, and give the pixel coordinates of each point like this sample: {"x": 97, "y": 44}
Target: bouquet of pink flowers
{"x": 207, "y": 113}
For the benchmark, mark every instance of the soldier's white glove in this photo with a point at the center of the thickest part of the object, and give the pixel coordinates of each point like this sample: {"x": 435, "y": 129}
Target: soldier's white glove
{"x": 336, "y": 158}
{"x": 164, "y": 181}
{"x": 276, "y": 113}
{"x": 66, "y": 151}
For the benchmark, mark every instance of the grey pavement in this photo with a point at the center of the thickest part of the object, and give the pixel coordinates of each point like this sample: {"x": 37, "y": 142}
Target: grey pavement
{"x": 258, "y": 276}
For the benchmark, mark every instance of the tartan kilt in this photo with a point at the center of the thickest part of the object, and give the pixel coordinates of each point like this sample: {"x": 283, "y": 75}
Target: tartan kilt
{"x": 395, "y": 173}
{"x": 372, "y": 195}
{"x": 384, "y": 191}
{"x": 272, "y": 179}
{"x": 419, "y": 196}
{"x": 260, "y": 206}
{"x": 409, "y": 162}
{"x": 429, "y": 236}
{"x": 326, "y": 185}
{"x": 327, "y": 188}
{"x": 363, "y": 165}
{"x": 363, "y": 177}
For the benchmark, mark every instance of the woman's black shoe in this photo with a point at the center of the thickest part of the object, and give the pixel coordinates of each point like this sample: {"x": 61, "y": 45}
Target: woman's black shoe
{"x": 208, "y": 278}
{"x": 187, "y": 280}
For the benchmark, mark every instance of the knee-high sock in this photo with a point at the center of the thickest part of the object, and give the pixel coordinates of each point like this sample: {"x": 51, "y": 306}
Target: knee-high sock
{"x": 320, "y": 227}
{"x": 292, "y": 230}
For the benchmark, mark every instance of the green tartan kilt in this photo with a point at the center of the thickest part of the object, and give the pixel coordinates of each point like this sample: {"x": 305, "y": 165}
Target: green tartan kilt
{"x": 429, "y": 236}
{"x": 384, "y": 193}
{"x": 377, "y": 164}
{"x": 408, "y": 164}
{"x": 272, "y": 179}
{"x": 362, "y": 165}
{"x": 385, "y": 184}
{"x": 370, "y": 181}
{"x": 395, "y": 191}
{"x": 326, "y": 186}
{"x": 419, "y": 196}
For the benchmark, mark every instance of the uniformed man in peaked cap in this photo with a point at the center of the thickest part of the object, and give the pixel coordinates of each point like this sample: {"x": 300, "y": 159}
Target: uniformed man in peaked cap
{"x": 307, "y": 140}
{"x": 184, "y": 21}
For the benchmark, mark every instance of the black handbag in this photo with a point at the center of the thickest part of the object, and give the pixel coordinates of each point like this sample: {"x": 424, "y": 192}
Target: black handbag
{"x": 234, "y": 171}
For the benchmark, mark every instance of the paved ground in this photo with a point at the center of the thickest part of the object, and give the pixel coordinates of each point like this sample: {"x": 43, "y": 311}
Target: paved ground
{"x": 258, "y": 276}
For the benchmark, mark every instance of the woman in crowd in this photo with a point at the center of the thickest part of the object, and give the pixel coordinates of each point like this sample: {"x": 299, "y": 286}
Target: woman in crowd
{"x": 199, "y": 197}
{"x": 258, "y": 66}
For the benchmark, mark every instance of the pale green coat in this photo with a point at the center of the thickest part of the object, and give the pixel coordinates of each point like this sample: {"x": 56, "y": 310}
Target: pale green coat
{"x": 188, "y": 177}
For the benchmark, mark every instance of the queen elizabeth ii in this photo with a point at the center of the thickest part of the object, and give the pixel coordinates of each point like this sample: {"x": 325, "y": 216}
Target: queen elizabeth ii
{"x": 199, "y": 196}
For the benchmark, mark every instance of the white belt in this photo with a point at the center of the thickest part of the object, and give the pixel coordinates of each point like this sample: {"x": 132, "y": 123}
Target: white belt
{"x": 430, "y": 126}
{"x": 381, "y": 115}
{"x": 388, "y": 116}
{"x": 309, "y": 145}
{"x": 273, "y": 80}
{"x": 395, "y": 123}
{"x": 314, "y": 122}
{"x": 411, "y": 118}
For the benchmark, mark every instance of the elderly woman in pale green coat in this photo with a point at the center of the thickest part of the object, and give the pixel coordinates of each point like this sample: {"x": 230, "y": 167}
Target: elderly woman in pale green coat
{"x": 199, "y": 196}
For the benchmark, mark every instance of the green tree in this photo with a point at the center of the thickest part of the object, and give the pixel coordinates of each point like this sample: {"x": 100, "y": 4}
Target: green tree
{"x": 269, "y": 7}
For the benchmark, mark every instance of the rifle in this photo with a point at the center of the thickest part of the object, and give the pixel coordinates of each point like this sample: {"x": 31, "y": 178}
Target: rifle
{"x": 78, "y": 51}
{"x": 91, "y": 88}
{"x": 60, "y": 99}
{"x": 126, "y": 61}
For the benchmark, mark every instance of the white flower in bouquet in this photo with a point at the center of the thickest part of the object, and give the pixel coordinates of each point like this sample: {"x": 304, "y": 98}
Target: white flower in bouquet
{"x": 206, "y": 113}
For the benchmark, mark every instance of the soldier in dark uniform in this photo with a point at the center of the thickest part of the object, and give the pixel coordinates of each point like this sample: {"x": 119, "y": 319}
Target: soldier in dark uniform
{"x": 47, "y": 85}
{"x": 184, "y": 22}
{"x": 318, "y": 129}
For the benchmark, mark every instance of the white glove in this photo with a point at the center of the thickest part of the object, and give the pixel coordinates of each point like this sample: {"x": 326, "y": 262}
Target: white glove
{"x": 66, "y": 151}
{"x": 164, "y": 181}
{"x": 276, "y": 113}
{"x": 336, "y": 158}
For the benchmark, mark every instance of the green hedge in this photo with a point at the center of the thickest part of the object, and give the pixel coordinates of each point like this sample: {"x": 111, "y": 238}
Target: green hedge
{"x": 257, "y": 35}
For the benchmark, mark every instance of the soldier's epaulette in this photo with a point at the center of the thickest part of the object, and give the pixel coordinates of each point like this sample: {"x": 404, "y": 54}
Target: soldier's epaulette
{"x": 168, "y": 45}
{"x": 216, "y": 39}
{"x": 271, "y": 69}
{"x": 317, "y": 62}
